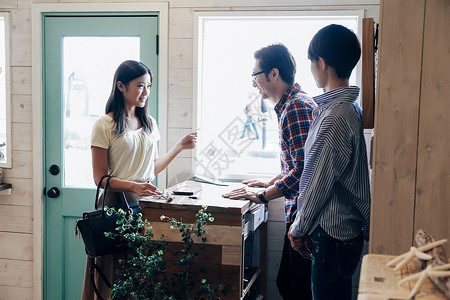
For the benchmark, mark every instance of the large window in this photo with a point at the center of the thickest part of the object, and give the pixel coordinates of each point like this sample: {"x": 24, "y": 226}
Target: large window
{"x": 5, "y": 96}
{"x": 238, "y": 135}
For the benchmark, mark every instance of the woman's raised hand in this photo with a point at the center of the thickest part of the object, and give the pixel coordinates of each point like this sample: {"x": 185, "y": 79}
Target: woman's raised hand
{"x": 188, "y": 141}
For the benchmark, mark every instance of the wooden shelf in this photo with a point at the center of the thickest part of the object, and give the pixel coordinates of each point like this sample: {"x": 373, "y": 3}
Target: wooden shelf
{"x": 5, "y": 189}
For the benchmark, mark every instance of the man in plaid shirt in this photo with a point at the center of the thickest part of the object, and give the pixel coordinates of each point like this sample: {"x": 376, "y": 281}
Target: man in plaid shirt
{"x": 273, "y": 75}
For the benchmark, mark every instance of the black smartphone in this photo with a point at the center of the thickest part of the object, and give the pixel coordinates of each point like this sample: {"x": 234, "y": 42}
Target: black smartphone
{"x": 182, "y": 193}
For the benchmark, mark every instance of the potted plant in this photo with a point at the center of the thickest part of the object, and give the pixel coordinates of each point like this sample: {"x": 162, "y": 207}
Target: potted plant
{"x": 146, "y": 274}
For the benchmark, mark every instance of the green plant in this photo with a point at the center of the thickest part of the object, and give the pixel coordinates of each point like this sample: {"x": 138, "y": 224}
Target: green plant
{"x": 144, "y": 273}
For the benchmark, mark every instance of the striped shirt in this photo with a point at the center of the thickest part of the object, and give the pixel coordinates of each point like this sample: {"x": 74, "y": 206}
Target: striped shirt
{"x": 334, "y": 189}
{"x": 294, "y": 112}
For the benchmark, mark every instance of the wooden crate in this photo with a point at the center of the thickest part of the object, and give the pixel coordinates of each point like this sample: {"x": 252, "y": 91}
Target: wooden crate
{"x": 379, "y": 282}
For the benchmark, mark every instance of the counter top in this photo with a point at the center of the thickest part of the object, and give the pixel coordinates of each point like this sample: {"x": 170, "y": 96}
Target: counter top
{"x": 204, "y": 194}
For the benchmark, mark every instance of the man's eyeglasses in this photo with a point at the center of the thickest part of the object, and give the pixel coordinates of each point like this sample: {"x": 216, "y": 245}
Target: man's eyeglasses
{"x": 255, "y": 74}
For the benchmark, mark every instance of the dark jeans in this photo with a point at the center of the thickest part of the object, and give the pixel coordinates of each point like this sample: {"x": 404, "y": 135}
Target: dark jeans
{"x": 294, "y": 275}
{"x": 334, "y": 262}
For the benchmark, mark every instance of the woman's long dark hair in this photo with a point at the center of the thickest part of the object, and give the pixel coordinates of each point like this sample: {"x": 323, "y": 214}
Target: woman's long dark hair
{"x": 126, "y": 72}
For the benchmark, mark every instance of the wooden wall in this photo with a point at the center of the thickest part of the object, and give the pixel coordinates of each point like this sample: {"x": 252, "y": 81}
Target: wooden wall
{"x": 16, "y": 210}
{"x": 411, "y": 166}
{"x": 18, "y": 278}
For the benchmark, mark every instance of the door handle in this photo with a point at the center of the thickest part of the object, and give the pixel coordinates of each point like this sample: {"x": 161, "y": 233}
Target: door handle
{"x": 53, "y": 192}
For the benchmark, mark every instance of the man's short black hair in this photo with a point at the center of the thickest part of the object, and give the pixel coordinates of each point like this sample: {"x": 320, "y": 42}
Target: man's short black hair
{"x": 277, "y": 56}
{"x": 338, "y": 46}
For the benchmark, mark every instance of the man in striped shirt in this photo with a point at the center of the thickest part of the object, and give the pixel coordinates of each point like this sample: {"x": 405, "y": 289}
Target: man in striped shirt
{"x": 334, "y": 194}
{"x": 273, "y": 75}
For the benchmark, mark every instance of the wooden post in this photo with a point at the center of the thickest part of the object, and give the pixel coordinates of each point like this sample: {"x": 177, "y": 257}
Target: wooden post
{"x": 432, "y": 205}
{"x": 396, "y": 125}
{"x": 368, "y": 75}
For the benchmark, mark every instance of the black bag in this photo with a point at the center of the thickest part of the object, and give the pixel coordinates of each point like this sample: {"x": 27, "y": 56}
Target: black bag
{"x": 96, "y": 222}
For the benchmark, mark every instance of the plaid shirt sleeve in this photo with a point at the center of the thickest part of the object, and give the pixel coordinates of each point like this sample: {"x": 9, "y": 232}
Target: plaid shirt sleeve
{"x": 295, "y": 122}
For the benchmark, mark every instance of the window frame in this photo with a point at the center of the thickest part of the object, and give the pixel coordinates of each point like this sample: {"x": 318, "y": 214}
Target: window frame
{"x": 7, "y": 70}
{"x": 199, "y": 18}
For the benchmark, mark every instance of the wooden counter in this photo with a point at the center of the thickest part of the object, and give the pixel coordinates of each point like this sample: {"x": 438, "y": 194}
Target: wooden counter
{"x": 223, "y": 257}
{"x": 379, "y": 282}
{"x": 209, "y": 194}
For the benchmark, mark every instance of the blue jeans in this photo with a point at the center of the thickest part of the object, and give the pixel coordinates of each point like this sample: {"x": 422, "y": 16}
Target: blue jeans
{"x": 334, "y": 262}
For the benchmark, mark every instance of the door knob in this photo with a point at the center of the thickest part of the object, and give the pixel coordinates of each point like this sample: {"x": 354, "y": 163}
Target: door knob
{"x": 54, "y": 170}
{"x": 53, "y": 192}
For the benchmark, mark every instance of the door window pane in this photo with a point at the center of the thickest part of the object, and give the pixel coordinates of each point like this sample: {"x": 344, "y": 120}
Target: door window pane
{"x": 239, "y": 132}
{"x": 89, "y": 64}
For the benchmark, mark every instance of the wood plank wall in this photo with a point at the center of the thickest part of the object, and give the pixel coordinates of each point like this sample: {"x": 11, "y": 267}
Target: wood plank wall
{"x": 16, "y": 210}
{"x": 399, "y": 65}
{"x": 433, "y": 163}
{"x": 411, "y": 173}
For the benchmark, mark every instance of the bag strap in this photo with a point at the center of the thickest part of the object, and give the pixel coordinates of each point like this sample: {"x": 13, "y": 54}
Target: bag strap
{"x": 104, "y": 193}
{"x": 99, "y": 185}
{"x": 128, "y": 208}
{"x": 92, "y": 267}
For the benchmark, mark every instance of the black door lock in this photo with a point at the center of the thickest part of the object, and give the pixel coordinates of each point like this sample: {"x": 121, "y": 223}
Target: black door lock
{"x": 54, "y": 170}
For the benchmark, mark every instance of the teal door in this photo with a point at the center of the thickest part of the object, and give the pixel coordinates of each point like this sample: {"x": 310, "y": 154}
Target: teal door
{"x": 80, "y": 55}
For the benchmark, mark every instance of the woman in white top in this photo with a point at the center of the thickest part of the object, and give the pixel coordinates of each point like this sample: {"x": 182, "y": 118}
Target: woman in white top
{"x": 124, "y": 140}
{"x": 124, "y": 146}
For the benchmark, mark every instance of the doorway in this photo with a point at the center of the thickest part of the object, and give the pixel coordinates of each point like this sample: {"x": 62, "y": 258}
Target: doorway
{"x": 80, "y": 54}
